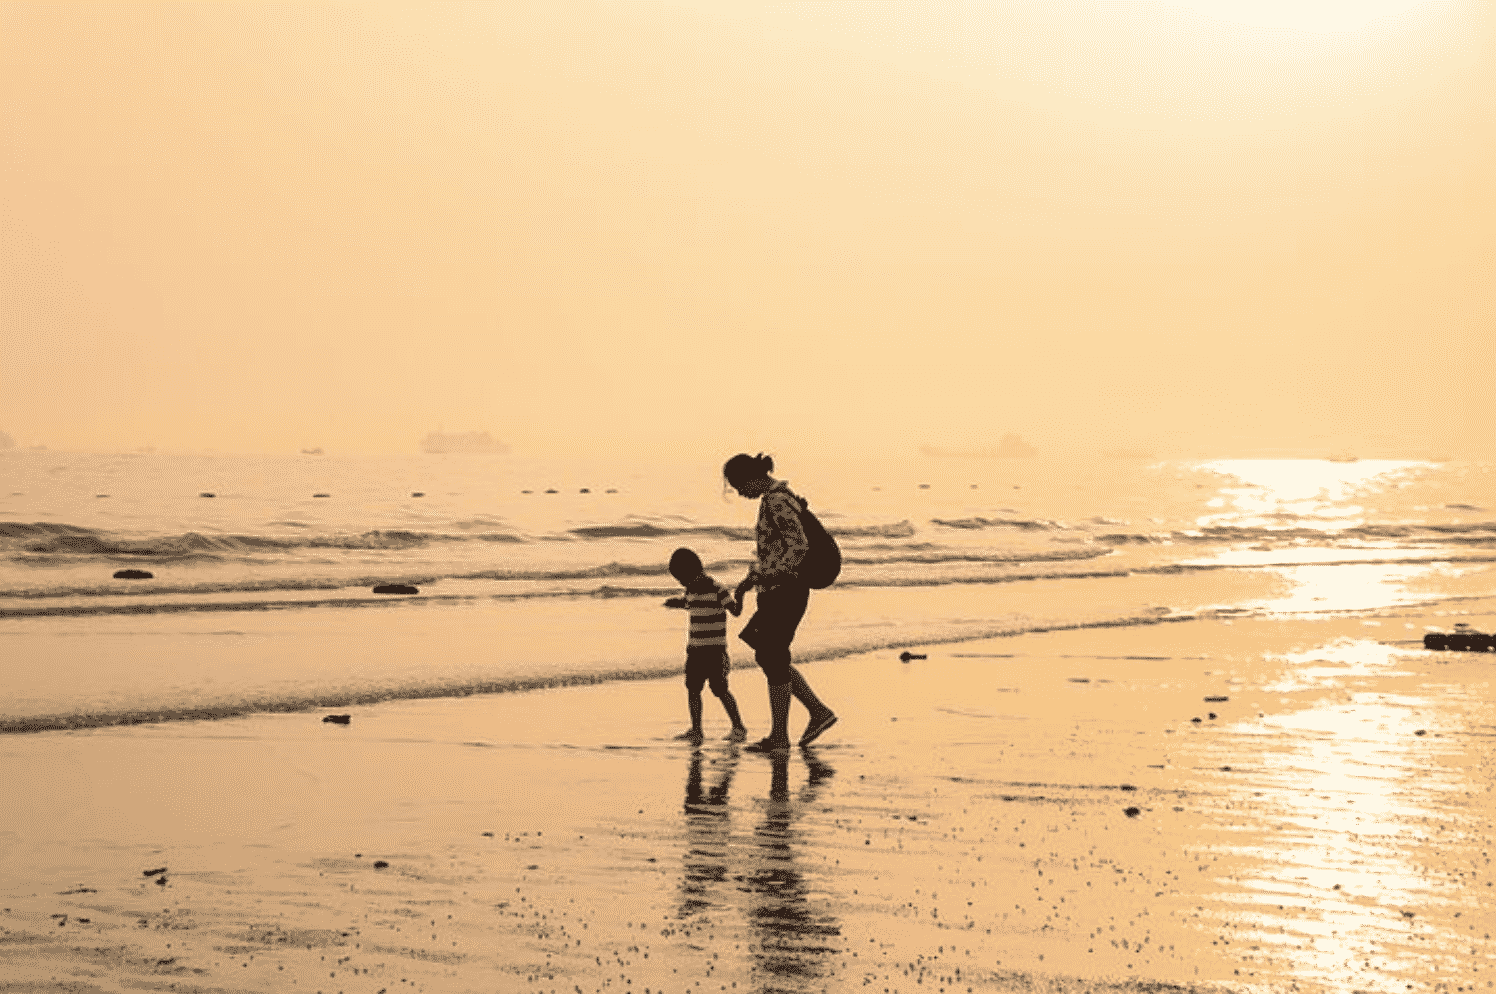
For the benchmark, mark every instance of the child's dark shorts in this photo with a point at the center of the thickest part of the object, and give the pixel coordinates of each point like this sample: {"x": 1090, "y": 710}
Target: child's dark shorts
{"x": 707, "y": 664}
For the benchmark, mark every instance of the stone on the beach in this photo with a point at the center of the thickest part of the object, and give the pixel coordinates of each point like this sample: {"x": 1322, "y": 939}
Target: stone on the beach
{"x": 418, "y": 493}
{"x": 1464, "y": 640}
{"x": 133, "y": 574}
{"x": 1131, "y": 812}
{"x": 380, "y": 864}
{"x": 584, "y": 490}
{"x": 207, "y": 493}
{"x": 1212, "y": 716}
{"x": 321, "y": 495}
{"x": 395, "y": 588}
{"x": 1211, "y": 699}
{"x": 1195, "y": 720}
{"x": 553, "y": 491}
{"x": 152, "y": 873}
{"x": 906, "y": 656}
{"x": 338, "y": 719}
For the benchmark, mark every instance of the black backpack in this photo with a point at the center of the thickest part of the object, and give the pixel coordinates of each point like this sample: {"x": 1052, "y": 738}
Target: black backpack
{"x": 822, "y": 562}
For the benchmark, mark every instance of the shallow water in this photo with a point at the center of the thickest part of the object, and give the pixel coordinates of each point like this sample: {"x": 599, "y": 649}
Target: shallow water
{"x": 261, "y": 596}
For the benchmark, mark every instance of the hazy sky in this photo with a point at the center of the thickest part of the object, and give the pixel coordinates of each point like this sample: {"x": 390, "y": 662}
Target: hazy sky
{"x": 620, "y": 228}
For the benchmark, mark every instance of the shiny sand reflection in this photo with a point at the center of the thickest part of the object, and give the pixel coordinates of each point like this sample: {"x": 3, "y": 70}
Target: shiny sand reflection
{"x": 1361, "y": 853}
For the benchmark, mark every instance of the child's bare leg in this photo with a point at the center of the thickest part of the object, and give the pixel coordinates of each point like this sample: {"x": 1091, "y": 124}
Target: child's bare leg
{"x": 693, "y": 701}
{"x": 730, "y": 705}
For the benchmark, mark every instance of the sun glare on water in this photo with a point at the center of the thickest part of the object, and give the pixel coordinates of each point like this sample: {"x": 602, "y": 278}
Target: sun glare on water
{"x": 1303, "y": 15}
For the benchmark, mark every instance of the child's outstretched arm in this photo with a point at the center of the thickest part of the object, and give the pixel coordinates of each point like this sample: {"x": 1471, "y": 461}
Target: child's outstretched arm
{"x": 676, "y": 602}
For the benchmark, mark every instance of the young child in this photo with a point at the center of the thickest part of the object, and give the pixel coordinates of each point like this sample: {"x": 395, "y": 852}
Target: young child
{"x": 706, "y": 644}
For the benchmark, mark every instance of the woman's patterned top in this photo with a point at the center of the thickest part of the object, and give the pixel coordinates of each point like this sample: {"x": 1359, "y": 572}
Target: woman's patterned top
{"x": 781, "y": 538}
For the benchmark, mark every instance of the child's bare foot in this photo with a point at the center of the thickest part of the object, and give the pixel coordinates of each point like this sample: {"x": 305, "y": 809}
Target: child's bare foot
{"x": 736, "y": 735}
{"x": 693, "y": 736}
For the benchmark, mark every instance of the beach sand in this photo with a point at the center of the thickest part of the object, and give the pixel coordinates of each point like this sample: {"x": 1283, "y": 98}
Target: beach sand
{"x": 1031, "y": 813}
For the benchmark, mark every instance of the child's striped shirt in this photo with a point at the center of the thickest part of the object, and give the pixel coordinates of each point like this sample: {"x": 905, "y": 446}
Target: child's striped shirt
{"x": 706, "y": 599}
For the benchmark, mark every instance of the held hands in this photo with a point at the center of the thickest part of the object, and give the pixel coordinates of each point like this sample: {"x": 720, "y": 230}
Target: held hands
{"x": 735, "y": 605}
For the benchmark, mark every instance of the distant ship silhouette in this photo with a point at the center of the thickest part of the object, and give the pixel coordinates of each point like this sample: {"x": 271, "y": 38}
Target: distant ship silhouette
{"x": 439, "y": 442}
{"x": 1010, "y": 447}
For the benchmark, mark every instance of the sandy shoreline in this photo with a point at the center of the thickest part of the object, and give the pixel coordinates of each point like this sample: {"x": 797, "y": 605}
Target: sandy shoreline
{"x": 966, "y": 826}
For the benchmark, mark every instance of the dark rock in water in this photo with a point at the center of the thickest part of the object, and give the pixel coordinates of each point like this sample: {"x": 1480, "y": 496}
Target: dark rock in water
{"x": 553, "y": 491}
{"x": 160, "y": 881}
{"x": 1212, "y": 716}
{"x": 101, "y": 495}
{"x": 1131, "y": 812}
{"x": 1421, "y": 731}
{"x": 612, "y": 491}
{"x": 380, "y": 864}
{"x": 584, "y": 490}
{"x": 337, "y": 719}
{"x": 906, "y": 656}
{"x": 1461, "y": 641}
{"x": 321, "y": 495}
{"x": 1210, "y": 699}
{"x": 133, "y": 574}
{"x": 207, "y": 493}
{"x": 418, "y": 493}
{"x": 152, "y": 873}
{"x": 924, "y": 486}
{"x": 395, "y": 588}
{"x": 527, "y": 491}
{"x": 1195, "y": 720}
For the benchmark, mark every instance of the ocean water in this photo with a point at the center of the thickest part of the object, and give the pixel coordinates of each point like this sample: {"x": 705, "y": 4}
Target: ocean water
{"x": 563, "y": 564}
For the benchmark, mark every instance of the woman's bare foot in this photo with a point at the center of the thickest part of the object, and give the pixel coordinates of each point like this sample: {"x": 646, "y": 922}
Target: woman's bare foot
{"x": 693, "y": 736}
{"x": 816, "y": 727}
{"x": 736, "y": 735}
{"x": 769, "y": 745}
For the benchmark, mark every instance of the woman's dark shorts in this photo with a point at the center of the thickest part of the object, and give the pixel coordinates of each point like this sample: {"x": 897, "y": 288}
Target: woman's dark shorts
{"x": 707, "y": 664}
{"x": 772, "y": 628}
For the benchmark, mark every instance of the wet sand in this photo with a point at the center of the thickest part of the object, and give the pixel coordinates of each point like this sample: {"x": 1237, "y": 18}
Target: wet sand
{"x": 1035, "y": 813}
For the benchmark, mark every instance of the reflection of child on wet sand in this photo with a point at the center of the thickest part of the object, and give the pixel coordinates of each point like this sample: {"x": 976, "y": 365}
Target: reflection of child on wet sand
{"x": 706, "y": 645}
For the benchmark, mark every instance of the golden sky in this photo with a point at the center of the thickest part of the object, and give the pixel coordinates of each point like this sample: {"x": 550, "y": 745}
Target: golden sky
{"x": 635, "y": 227}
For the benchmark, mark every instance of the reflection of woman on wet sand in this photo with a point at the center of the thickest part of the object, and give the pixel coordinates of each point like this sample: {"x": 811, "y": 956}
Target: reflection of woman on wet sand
{"x": 782, "y": 597}
{"x": 793, "y": 944}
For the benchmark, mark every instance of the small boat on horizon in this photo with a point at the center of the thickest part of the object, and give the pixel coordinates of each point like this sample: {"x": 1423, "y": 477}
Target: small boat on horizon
{"x": 441, "y": 442}
{"x": 311, "y": 452}
{"x": 1343, "y": 457}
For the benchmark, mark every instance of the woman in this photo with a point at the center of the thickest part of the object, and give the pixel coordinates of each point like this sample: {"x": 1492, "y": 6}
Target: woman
{"x": 782, "y": 597}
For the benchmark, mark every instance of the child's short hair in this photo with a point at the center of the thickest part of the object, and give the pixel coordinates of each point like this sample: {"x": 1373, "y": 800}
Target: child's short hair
{"x": 685, "y": 565}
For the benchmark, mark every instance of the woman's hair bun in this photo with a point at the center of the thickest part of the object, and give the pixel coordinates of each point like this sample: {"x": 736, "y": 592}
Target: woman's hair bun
{"x": 743, "y": 467}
